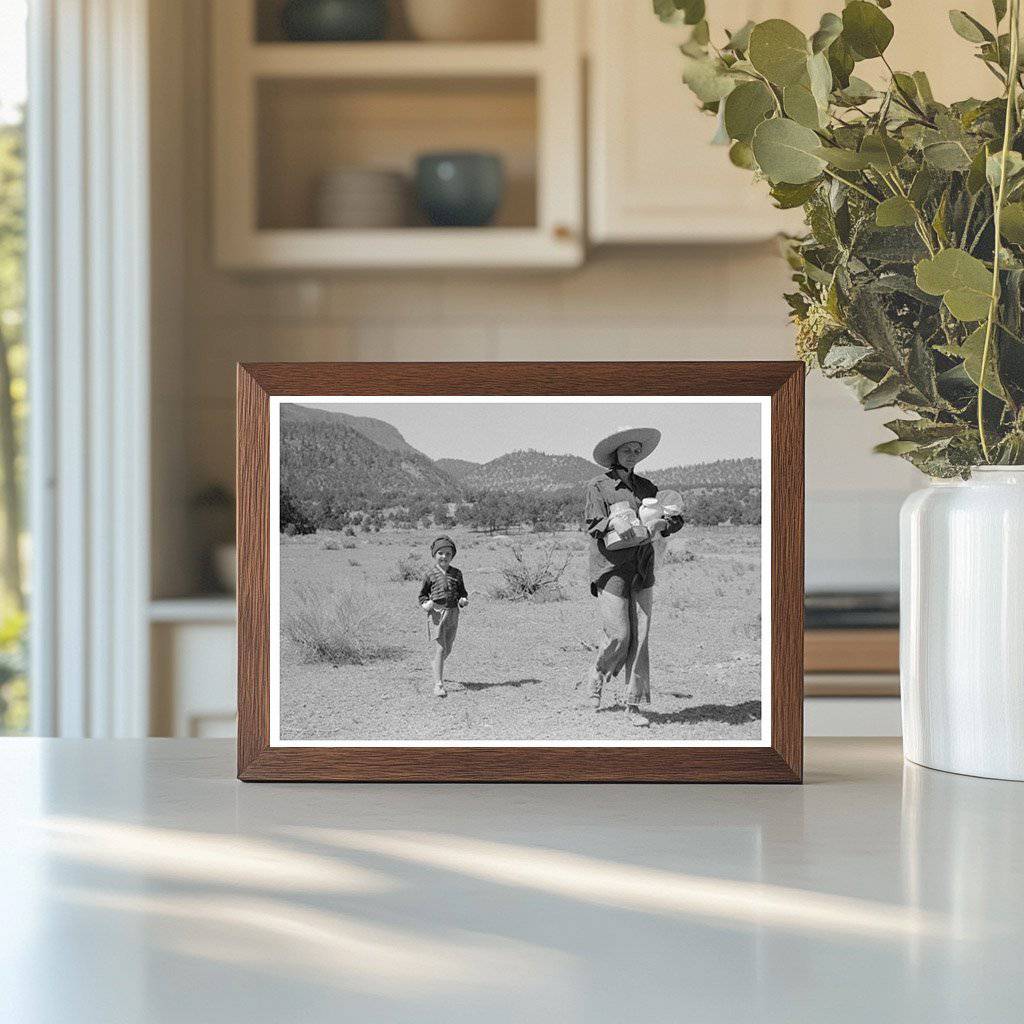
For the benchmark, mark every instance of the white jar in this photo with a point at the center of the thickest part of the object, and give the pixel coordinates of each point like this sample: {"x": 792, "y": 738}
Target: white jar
{"x": 962, "y": 624}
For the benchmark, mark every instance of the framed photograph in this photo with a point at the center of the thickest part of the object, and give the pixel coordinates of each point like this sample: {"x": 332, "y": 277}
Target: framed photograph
{"x": 579, "y": 572}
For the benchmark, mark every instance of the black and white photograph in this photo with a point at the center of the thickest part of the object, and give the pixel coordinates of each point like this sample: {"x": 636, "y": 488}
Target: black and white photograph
{"x": 486, "y": 571}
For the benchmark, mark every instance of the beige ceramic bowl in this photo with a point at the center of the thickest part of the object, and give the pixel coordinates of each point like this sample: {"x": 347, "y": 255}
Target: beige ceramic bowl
{"x": 471, "y": 20}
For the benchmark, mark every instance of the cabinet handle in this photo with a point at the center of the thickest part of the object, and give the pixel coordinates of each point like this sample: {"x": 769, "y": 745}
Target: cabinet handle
{"x": 562, "y": 232}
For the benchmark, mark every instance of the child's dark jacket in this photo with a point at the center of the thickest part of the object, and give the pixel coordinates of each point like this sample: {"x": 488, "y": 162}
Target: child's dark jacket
{"x": 443, "y": 588}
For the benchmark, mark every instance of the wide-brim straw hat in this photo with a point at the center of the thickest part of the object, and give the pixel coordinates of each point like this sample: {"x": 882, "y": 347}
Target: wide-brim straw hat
{"x": 604, "y": 450}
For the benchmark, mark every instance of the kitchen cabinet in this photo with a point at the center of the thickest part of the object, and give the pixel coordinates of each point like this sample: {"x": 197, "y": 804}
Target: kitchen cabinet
{"x": 653, "y": 175}
{"x": 286, "y": 114}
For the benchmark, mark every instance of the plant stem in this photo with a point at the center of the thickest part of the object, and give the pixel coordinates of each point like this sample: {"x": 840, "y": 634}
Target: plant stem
{"x": 1011, "y": 107}
{"x": 853, "y": 185}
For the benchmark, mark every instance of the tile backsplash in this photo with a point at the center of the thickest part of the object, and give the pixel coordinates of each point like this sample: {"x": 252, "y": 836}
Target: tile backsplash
{"x": 708, "y": 303}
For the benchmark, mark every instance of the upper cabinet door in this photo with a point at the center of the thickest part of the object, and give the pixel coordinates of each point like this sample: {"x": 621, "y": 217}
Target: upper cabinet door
{"x": 654, "y": 175}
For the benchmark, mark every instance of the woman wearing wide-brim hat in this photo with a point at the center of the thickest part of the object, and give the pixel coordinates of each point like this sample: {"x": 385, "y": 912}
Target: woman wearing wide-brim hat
{"x": 622, "y": 579}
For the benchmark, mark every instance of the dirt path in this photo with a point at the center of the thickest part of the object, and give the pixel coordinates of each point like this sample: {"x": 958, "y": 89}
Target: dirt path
{"x": 518, "y": 668}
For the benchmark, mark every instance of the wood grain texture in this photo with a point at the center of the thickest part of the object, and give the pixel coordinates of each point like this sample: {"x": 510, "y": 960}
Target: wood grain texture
{"x": 780, "y": 762}
{"x": 852, "y": 650}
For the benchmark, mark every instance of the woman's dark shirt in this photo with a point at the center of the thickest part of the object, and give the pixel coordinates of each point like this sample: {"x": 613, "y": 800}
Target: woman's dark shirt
{"x": 637, "y": 562}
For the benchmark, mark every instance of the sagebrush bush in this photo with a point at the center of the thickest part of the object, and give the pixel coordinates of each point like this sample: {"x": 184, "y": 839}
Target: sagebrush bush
{"x": 330, "y": 545}
{"x": 676, "y": 557}
{"x": 412, "y": 567}
{"x": 529, "y": 577}
{"x": 348, "y": 543}
{"x": 337, "y": 629}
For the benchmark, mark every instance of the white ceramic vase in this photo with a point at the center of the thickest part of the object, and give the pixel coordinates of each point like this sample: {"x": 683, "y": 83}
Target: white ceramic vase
{"x": 962, "y": 624}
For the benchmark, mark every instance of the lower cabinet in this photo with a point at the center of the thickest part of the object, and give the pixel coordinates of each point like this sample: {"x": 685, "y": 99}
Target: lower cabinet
{"x": 193, "y": 679}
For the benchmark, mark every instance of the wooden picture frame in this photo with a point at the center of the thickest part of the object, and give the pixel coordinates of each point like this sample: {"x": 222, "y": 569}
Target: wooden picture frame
{"x": 780, "y": 759}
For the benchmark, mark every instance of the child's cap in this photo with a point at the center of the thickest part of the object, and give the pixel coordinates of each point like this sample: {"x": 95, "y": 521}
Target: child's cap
{"x": 444, "y": 541}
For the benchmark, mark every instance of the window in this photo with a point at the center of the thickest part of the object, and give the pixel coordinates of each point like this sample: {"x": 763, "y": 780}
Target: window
{"x": 14, "y": 692}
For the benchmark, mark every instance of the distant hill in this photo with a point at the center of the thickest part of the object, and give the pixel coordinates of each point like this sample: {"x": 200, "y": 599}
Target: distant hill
{"x": 378, "y": 431}
{"x": 456, "y": 468}
{"x": 722, "y": 473}
{"x": 529, "y": 471}
{"x": 324, "y": 458}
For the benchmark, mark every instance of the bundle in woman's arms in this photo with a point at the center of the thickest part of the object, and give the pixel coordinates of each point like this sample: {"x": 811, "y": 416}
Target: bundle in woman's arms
{"x": 901, "y": 291}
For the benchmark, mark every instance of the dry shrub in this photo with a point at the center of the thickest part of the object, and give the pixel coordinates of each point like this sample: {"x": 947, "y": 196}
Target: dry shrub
{"x": 349, "y": 543}
{"x": 412, "y": 567}
{"x": 533, "y": 577}
{"x": 330, "y": 545}
{"x": 339, "y": 629}
{"x": 677, "y": 557}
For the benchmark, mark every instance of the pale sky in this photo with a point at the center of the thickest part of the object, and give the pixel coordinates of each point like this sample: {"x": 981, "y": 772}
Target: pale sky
{"x": 482, "y": 431}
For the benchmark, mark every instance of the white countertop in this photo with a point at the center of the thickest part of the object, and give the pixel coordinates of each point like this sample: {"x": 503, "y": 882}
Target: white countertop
{"x": 140, "y": 882}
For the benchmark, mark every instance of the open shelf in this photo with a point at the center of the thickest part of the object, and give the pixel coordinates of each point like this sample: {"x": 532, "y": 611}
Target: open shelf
{"x": 388, "y": 60}
{"x": 520, "y": 23}
{"x": 309, "y": 127}
{"x": 286, "y": 114}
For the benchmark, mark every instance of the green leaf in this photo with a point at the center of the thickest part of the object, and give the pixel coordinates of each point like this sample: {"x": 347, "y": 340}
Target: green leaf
{"x": 923, "y": 431}
{"x": 963, "y": 281}
{"x": 779, "y": 51}
{"x": 786, "y": 151}
{"x": 924, "y": 88}
{"x": 883, "y": 152}
{"x": 1014, "y": 166}
{"x": 745, "y": 108}
{"x": 939, "y": 220}
{"x": 741, "y": 155}
{"x": 905, "y": 83}
{"x": 801, "y": 106}
{"x": 969, "y": 28}
{"x": 976, "y": 173}
{"x": 844, "y": 159}
{"x": 829, "y": 29}
{"x": 819, "y": 74}
{"x": 690, "y": 12}
{"x": 739, "y": 41}
{"x": 999, "y": 9}
{"x": 788, "y": 196}
{"x": 895, "y": 447}
{"x": 947, "y": 156}
{"x": 843, "y": 358}
{"x": 665, "y": 10}
{"x": 701, "y": 34}
{"x": 707, "y": 78}
{"x": 866, "y": 29}
{"x": 885, "y": 394}
{"x": 1011, "y": 225}
{"x": 895, "y": 212}
{"x": 857, "y": 91}
{"x": 840, "y": 62}
{"x": 971, "y": 352}
{"x": 922, "y": 185}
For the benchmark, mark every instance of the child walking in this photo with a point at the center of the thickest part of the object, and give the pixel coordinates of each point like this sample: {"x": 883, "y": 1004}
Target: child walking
{"x": 442, "y": 595}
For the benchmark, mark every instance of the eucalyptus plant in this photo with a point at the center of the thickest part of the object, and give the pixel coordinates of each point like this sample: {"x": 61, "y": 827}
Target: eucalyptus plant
{"x": 902, "y": 289}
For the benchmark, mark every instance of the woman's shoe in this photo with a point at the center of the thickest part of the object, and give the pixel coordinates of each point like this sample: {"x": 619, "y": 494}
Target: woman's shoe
{"x": 636, "y": 719}
{"x": 439, "y": 690}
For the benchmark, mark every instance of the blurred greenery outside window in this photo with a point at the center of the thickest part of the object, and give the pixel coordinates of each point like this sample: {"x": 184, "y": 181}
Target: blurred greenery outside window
{"x": 14, "y": 539}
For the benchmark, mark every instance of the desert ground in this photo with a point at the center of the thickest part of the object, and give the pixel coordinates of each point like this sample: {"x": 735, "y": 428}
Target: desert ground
{"x": 518, "y": 669}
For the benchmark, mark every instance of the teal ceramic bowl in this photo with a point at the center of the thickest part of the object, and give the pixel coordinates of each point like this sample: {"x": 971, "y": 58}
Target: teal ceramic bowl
{"x": 460, "y": 189}
{"x": 334, "y": 21}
